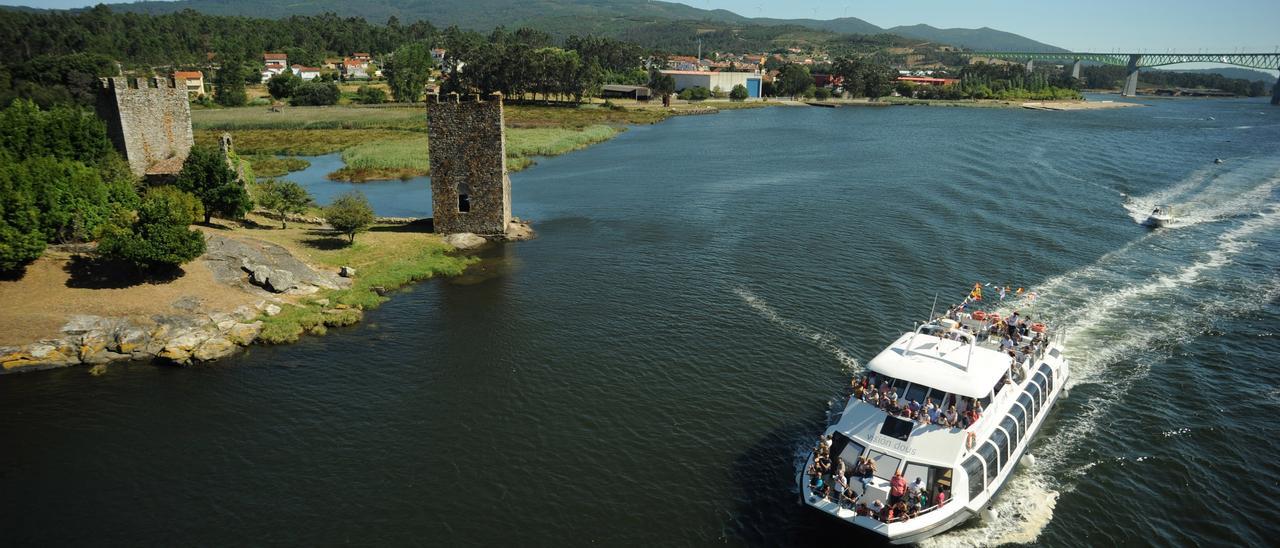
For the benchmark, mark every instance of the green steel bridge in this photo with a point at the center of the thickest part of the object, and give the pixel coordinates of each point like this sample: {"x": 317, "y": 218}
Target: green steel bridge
{"x": 1135, "y": 61}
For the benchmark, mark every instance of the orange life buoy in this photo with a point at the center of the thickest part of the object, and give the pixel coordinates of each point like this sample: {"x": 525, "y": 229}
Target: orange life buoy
{"x": 1037, "y": 327}
{"x": 979, "y": 315}
{"x": 994, "y": 317}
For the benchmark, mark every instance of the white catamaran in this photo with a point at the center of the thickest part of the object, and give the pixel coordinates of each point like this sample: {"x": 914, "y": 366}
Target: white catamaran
{"x": 948, "y": 409}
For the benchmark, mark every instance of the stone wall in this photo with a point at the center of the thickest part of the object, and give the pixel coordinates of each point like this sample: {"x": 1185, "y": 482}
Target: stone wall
{"x": 468, "y": 153}
{"x": 149, "y": 121}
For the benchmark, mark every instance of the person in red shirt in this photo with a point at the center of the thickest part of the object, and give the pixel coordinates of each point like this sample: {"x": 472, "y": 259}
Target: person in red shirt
{"x": 897, "y": 488}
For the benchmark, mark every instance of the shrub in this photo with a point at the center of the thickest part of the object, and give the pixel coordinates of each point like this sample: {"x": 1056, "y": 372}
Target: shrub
{"x": 282, "y": 198}
{"x": 316, "y": 94}
{"x": 822, "y": 94}
{"x": 283, "y": 85}
{"x": 739, "y": 93}
{"x": 370, "y": 95}
{"x": 206, "y": 175}
{"x": 350, "y": 213}
{"x": 158, "y": 235}
{"x": 696, "y": 93}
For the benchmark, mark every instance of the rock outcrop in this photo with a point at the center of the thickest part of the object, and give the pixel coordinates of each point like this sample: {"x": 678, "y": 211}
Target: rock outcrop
{"x": 465, "y": 240}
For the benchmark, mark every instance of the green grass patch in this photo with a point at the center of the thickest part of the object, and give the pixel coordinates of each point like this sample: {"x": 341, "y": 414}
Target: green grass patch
{"x": 274, "y": 166}
{"x": 383, "y": 259}
{"x": 305, "y": 142}
{"x": 336, "y": 117}
{"x": 406, "y": 155}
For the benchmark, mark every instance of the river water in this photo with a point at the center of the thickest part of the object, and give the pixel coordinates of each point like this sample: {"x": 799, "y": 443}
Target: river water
{"x": 648, "y": 370}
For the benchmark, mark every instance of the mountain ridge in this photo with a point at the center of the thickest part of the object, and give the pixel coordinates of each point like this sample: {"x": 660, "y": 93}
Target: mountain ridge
{"x": 484, "y": 15}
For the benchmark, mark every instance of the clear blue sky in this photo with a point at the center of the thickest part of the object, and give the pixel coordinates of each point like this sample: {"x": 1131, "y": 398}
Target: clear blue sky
{"x": 1080, "y": 25}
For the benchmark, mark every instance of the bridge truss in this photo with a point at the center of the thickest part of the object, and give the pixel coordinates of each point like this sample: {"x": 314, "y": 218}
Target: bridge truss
{"x": 1264, "y": 61}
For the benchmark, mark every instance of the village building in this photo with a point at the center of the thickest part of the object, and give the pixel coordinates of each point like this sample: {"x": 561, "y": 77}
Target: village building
{"x": 306, "y": 73}
{"x": 355, "y": 69}
{"x": 724, "y": 80}
{"x": 192, "y": 80}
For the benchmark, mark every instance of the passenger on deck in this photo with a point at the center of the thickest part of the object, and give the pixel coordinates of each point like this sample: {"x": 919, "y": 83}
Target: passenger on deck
{"x": 935, "y": 413}
{"x": 914, "y": 488}
{"x": 941, "y": 497}
{"x": 840, "y": 483}
{"x": 862, "y": 510}
{"x": 912, "y": 508}
{"x": 866, "y": 470}
{"x": 1006, "y": 344}
{"x": 952, "y": 418}
{"x": 897, "y": 487}
{"x": 878, "y": 510}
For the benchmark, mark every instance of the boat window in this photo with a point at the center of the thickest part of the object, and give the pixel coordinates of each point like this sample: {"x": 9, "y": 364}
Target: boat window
{"x": 996, "y": 389}
{"x": 916, "y": 392}
{"x": 1001, "y": 441}
{"x": 885, "y": 464}
{"x": 898, "y": 385}
{"x": 973, "y": 469}
{"x": 1039, "y": 379}
{"x": 1048, "y": 375}
{"x": 1020, "y": 415}
{"x": 851, "y": 451}
{"x": 1014, "y": 430}
{"x": 989, "y": 456}
{"x": 932, "y": 476}
{"x": 896, "y": 428}
{"x": 986, "y": 401}
{"x": 1034, "y": 390}
{"x": 1054, "y": 353}
{"x": 1030, "y": 403}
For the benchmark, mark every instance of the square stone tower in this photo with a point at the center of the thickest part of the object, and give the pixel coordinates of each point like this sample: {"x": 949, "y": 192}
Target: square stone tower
{"x": 148, "y": 121}
{"x": 470, "y": 191}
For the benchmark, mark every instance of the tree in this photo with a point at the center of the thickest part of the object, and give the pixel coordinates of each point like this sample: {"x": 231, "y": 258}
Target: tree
{"x": 696, "y": 93}
{"x": 794, "y": 80}
{"x": 662, "y": 84}
{"x": 316, "y": 94}
{"x": 407, "y": 71}
{"x": 228, "y": 85}
{"x": 283, "y": 85}
{"x": 282, "y": 198}
{"x": 350, "y": 213}
{"x": 739, "y": 93}
{"x": 822, "y": 94}
{"x": 158, "y": 236}
{"x": 369, "y": 95}
{"x": 207, "y": 176}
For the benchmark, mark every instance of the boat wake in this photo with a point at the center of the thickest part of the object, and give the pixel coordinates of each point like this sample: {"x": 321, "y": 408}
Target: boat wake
{"x": 1212, "y": 193}
{"x": 820, "y": 338}
{"x": 1113, "y": 320}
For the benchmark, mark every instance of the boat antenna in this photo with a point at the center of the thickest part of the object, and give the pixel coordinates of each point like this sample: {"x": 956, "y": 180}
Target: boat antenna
{"x": 935, "y": 305}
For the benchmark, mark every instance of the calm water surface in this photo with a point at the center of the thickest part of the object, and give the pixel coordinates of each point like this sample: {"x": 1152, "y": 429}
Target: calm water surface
{"x": 649, "y": 369}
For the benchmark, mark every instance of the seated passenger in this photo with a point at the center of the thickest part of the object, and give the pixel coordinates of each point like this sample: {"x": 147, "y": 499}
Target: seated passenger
{"x": 900, "y": 510}
{"x": 952, "y": 418}
{"x": 878, "y": 510}
{"x": 862, "y": 510}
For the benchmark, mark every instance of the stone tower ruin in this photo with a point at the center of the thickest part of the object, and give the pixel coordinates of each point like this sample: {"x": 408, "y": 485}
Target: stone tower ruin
{"x": 470, "y": 191}
{"x": 149, "y": 121}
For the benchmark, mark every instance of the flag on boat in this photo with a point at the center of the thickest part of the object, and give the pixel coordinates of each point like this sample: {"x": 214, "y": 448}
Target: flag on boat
{"x": 976, "y": 294}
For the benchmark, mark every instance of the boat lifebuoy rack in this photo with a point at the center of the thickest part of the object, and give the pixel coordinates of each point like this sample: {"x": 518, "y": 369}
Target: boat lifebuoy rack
{"x": 1037, "y": 327}
{"x": 979, "y": 315}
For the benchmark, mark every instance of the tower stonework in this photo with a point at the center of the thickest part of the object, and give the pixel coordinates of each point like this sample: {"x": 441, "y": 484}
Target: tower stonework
{"x": 149, "y": 121}
{"x": 470, "y": 190}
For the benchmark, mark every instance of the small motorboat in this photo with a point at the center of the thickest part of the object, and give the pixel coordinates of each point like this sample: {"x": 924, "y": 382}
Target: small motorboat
{"x": 1217, "y": 160}
{"x": 1161, "y": 216}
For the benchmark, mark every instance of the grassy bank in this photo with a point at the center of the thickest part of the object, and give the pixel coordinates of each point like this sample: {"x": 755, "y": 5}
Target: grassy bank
{"x": 273, "y": 166}
{"x": 386, "y": 257}
{"x": 391, "y": 142}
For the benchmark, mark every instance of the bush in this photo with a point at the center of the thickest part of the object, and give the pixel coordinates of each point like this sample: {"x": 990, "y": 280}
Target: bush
{"x": 282, "y": 198}
{"x": 316, "y": 94}
{"x": 350, "y": 213}
{"x": 283, "y": 85}
{"x": 904, "y": 89}
{"x": 370, "y": 95}
{"x": 207, "y": 176}
{"x": 739, "y": 93}
{"x": 822, "y": 94}
{"x": 696, "y": 93}
{"x": 158, "y": 235}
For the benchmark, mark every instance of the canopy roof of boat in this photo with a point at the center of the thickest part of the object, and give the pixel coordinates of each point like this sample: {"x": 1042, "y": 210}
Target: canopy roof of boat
{"x": 958, "y": 367}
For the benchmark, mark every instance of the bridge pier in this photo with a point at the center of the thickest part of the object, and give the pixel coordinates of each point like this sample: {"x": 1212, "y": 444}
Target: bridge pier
{"x": 1275, "y": 93}
{"x": 1131, "y": 81}
{"x": 1031, "y": 66}
{"x": 1075, "y": 69}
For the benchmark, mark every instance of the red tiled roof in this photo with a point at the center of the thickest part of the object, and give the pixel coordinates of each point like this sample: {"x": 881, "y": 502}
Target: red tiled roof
{"x": 187, "y": 75}
{"x": 274, "y": 56}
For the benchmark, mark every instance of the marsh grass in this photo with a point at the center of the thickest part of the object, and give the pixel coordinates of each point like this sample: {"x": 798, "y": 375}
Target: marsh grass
{"x": 407, "y": 155}
{"x": 272, "y": 166}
